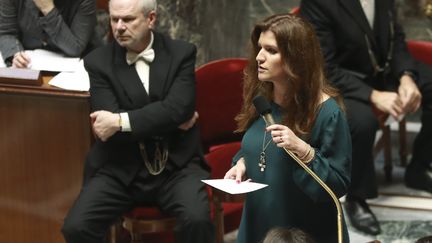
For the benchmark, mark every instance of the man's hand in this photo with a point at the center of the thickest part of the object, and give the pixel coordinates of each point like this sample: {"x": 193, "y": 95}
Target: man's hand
{"x": 105, "y": 124}
{"x": 20, "y": 60}
{"x": 409, "y": 94}
{"x": 45, "y": 6}
{"x": 187, "y": 125}
{"x": 387, "y": 102}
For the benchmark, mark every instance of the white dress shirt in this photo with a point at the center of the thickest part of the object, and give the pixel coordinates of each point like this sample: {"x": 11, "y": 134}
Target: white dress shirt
{"x": 369, "y": 10}
{"x": 143, "y": 70}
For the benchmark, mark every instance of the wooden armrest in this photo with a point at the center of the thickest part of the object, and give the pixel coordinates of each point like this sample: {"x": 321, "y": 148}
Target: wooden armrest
{"x": 148, "y": 226}
{"x": 222, "y": 196}
{"x": 219, "y": 197}
{"x": 382, "y": 117}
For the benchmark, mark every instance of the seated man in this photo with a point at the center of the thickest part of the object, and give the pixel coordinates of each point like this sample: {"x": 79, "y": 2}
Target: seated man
{"x": 57, "y": 25}
{"x": 142, "y": 90}
{"x": 368, "y": 60}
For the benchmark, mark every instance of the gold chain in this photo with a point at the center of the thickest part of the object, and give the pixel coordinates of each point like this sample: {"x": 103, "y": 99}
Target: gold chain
{"x": 160, "y": 159}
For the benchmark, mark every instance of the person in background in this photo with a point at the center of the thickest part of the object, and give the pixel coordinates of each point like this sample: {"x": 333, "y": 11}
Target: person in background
{"x": 148, "y": 152}
{"x": 287, "y": 235}
{"x": 62, "y": 26}
{"x": 367, "y": 59}
{"x": 286, "y": 67}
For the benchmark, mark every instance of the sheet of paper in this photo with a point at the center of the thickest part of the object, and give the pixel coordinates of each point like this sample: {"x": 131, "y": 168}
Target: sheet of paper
{"x": 390, "y": 119}
{"x": 2, "y": 63}
{"x": 51, "y": 61}
{"x": 232, "y": 187}
{"x": 78, "y": 80}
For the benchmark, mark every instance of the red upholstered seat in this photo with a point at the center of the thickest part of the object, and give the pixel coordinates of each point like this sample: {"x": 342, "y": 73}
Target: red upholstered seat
{"x": 421, "y": 50}
{"x": 219, "y": 159}
{"x": 219, "y": 87}
{"x": 145, "y": 212}
{"x": 219, "y": 99}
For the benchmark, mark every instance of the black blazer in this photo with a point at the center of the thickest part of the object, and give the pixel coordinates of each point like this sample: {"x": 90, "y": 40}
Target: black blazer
{"x": 342, "y": 29}
{"x": 116, "y": 87}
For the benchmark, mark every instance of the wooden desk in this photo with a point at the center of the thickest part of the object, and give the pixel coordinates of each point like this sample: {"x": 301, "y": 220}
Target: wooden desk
{"x": 44, "y": 137}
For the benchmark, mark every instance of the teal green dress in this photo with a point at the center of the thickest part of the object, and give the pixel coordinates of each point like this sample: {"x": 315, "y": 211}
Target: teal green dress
{"x": 293, "y": 198}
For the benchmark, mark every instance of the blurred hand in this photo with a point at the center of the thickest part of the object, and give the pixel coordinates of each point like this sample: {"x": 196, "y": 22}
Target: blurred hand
{"x": 45, "y": 6}
{"x": 237, "y": 172}
{"x": 187, "y": 125}
{"x": 105, "y": 124}
{"x": 20, "y": 60}
{"x": 409, "y": 94}
{"x": 387, "y": 102}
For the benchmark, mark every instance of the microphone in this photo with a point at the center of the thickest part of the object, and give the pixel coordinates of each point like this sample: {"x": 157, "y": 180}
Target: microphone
{"x": 264, "y": 109}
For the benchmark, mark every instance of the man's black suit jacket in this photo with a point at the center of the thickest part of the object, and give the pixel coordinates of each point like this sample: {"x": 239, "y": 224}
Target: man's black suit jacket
{"x": 342, "y": 26}
{"x": 116, "y": 87}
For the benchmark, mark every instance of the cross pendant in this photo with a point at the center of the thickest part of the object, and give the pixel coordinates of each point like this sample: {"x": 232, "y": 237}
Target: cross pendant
{"x": 262, "y": 162}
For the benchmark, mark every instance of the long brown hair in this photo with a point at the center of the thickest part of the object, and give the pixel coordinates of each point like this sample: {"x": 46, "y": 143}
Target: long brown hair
{"x": 304, "y": 65}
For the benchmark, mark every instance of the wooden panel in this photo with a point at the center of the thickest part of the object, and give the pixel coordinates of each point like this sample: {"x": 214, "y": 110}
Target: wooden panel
{"x": 44, "y": 138}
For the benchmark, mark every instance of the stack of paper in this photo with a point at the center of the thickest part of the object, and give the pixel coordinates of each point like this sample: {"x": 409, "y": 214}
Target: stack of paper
{"x": 51, "y": 61}
{"x": 77, "y": 80}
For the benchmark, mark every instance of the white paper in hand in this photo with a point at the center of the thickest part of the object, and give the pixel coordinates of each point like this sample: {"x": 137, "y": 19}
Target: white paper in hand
{"x": 390, "y": 119}
{"x": 232, "y": 187}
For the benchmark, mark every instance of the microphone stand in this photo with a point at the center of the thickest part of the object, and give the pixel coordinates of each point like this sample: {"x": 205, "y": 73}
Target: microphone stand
{"x": 269, "y": 120}
{"x": 323, "y": 185}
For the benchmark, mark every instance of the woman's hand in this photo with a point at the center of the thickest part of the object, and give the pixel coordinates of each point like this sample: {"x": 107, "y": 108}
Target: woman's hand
{"x": 237, "y": 172}
{"x": 284, "y": 137}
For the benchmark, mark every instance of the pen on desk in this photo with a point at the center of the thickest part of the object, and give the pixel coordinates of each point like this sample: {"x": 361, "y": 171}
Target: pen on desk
{"x": 18, "y": 46}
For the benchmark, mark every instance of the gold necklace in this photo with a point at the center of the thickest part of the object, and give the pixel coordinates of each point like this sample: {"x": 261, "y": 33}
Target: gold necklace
{"x": 262, "y": 159}
{"x": 160, "y": 159}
